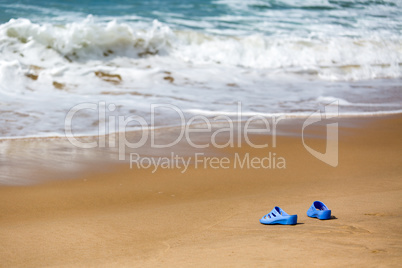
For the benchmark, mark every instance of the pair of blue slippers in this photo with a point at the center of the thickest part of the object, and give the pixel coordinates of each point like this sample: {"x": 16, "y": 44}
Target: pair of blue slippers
{"x": 277, "y": 216}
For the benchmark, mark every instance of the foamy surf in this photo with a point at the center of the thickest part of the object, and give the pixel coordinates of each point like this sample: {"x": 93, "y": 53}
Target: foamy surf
{"x": 336, "y": 58}
{"x": 206, "y": 65}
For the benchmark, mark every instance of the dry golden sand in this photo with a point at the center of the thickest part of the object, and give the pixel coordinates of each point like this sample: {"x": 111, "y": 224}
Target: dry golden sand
{"x": 210, "y": 217}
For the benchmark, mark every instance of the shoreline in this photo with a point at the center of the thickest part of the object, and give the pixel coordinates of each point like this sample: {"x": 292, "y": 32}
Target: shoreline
{"x": 289, "y": 116}
{"x": 117, "y": 216}
{"x": 58, "y": 154}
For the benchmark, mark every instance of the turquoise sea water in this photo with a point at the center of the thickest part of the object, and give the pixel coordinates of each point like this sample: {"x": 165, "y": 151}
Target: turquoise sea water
{"x": 268, "y": 17}
{"x": 275, "y": 57}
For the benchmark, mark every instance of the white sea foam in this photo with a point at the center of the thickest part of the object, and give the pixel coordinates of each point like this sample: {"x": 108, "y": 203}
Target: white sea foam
{"x": 342, "y": 102}
{"x": 46, "y": 69}
{"x": 337, "y": 58}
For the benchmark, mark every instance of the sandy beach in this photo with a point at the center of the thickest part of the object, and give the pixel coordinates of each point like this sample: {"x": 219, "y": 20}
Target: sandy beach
{"x": 160, "y": 133}
{"x": 210, "y": 217}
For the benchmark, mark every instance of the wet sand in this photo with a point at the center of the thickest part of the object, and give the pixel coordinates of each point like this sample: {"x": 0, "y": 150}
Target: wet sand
{"x": 119, "y": 216}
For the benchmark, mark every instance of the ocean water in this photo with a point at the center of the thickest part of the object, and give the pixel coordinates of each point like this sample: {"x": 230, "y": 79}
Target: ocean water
{"x": 204, "y": 57}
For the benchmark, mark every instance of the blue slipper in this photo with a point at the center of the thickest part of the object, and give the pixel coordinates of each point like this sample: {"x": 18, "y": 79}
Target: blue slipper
{"x": 278, "y": 216}
{"x": 319, "y": 210}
